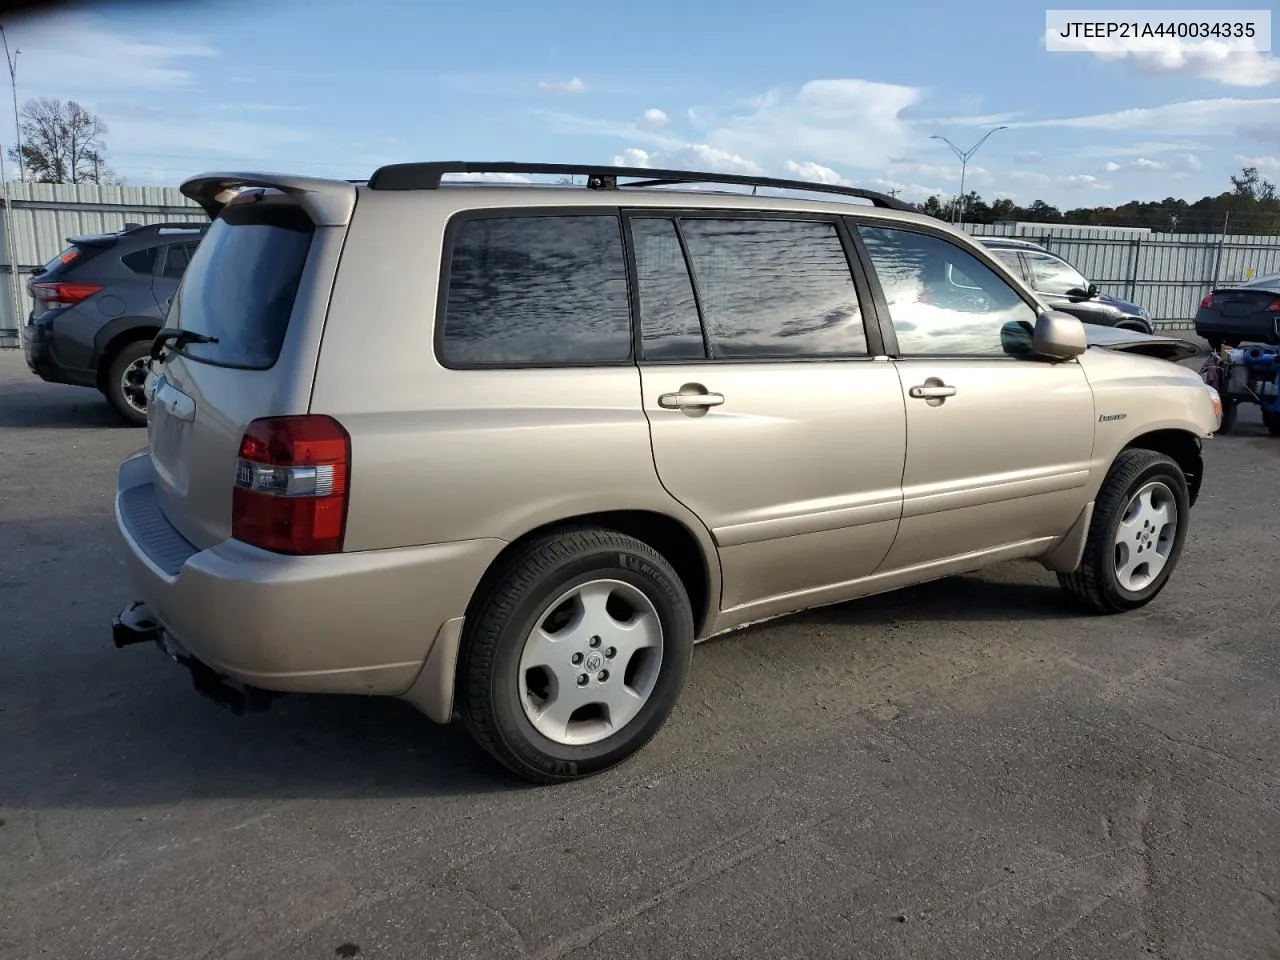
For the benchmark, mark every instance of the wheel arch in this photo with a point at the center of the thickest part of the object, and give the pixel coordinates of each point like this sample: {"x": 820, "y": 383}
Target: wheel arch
{"x": 693, "y": 556}
{"x": 113, "y": 337}
{"x": 1181, "y": 446}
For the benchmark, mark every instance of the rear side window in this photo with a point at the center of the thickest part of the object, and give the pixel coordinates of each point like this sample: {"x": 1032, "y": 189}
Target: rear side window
{"x": 669, "y": 325}
{"x": 774, "y": 288}
{"x": 536, "y": 290}
{"x": 241, "y": 284}
{"x": 142, "y": 262}
{"x": 176, "y": 260}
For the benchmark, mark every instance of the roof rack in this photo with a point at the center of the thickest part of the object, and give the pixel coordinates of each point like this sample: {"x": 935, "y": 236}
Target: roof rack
{"x": 428, "y": 176}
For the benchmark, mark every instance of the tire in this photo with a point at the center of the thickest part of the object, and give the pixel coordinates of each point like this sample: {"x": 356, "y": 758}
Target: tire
{"x": 1230, "y": 410}
{"x": 1096, "y": 584}
{"x": 125, "y": 362}
{"x": 511, "y": 705}
{"x": 1271, "y": 420}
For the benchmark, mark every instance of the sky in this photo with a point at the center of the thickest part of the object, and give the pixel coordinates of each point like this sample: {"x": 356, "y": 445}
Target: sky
{"x": 849, "y": 92}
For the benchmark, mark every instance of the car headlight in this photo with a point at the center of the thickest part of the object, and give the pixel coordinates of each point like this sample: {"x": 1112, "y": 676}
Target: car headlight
{"x": 1215, "y": 400}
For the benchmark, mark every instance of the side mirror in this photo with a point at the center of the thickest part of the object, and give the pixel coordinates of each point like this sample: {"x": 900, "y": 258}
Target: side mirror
{"x": 1058, "y": 336}
{"x": 1093, "y": 290}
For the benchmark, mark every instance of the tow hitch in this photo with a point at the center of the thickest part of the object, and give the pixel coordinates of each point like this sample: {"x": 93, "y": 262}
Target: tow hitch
{"x": 136, "y": 624}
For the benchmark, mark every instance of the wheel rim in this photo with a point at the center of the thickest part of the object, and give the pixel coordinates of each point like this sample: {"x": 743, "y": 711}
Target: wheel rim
{"x": 591, "y": 662}
{"x": 133, "y": 384}
{"x": 1144, "y": 540}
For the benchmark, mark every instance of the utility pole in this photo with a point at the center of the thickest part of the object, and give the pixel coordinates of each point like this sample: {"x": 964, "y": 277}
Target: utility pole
{"x": 964, "y": 155}
{"x": 13, "y": 85}
{"x": 895, "y": 191}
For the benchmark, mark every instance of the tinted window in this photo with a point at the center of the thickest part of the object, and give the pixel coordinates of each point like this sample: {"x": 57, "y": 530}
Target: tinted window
{"x": 669, "y": 324}
{"x": 176, "y": 260}
{"x": 141, "y": 261}
{"x": 526, "y": 290}
{"x": 774, "y": 288}
{"x": 1051, "y": 275}
{"x": 942, "y": 300}
{"x": 241, "y": 283}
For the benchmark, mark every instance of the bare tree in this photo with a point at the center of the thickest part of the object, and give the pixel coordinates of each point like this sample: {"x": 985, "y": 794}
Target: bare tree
{"x": 62, "y": 142}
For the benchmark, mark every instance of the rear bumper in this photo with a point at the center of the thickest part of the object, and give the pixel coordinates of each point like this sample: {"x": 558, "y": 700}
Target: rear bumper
{"x": 357, "y": 623}
{"x": 42, "y": 360}
{"x": 1259, "y": 326}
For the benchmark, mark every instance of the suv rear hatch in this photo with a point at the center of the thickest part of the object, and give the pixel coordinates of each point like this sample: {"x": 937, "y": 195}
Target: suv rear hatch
{"x": 242, "y": 341}
{"x": 53, "y": 285}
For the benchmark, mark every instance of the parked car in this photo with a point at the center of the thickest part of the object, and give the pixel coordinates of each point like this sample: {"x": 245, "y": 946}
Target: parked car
{"x": 506, "y": 451}
{"x": 97, "y": 305}
{"x": 1065, "y": 288}
{"x": 1248, "y": 313}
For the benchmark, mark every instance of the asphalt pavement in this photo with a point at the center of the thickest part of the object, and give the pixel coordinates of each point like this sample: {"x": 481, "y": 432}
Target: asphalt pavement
{"x": 966, "y": 769}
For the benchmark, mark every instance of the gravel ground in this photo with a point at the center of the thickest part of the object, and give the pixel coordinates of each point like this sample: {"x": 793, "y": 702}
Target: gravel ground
{"x": 965, "y": 769}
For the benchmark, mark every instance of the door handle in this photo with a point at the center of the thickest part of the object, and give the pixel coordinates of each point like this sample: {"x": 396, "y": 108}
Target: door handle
{"x": 932, "y": 391}
{"x": 687, "y": 399}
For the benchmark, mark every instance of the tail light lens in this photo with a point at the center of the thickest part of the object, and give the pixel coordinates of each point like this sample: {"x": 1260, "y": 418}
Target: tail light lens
{"x": 1274, "y": 306}
{"x": 1207, "y": 302}
{"x": 291, "y": 485}
{"x": 63, "y": 294}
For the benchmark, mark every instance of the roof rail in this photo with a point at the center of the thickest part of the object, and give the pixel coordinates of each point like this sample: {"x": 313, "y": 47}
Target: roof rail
{"x": 427, "y": 176}
{"x": 185, "y": 226}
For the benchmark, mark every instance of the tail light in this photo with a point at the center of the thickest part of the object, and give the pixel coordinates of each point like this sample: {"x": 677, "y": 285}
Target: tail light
{"x": 1207, "y": 302}
{"x": 291, "y": 485}
{"x": 63, "y": 294}
{"x": 1274, "y": 306}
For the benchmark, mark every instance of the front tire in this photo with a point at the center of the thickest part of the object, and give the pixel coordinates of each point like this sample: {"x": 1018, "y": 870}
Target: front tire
{"x": 1136, "y": 536}
{"x": 125, "y": 383}
{"x": 574, "y": 654}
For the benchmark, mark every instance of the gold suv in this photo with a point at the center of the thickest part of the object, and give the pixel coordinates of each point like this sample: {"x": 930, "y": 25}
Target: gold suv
{"x": 508, "y": 450}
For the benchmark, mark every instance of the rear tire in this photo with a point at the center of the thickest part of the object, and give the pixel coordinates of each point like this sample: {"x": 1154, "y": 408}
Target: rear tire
{"x": 1135, "y": 540}
{"x": 1230, "y": 411}
{"x": 125, "y": 382}
{"x": 1271, "y": 420}
{"x": 582, "y": 604}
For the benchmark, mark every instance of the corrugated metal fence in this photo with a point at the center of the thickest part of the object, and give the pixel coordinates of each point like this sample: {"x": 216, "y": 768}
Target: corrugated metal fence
{"x": 45, "y": 214}
{"x": 1166, "y": 273}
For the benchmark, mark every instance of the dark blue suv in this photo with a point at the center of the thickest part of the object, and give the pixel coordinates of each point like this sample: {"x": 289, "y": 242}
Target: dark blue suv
{"x": 99, "y": 303}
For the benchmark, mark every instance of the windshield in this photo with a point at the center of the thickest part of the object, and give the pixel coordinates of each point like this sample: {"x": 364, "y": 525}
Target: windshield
{"x": 241, "y": 284}
{"x": 1052, "y": 275}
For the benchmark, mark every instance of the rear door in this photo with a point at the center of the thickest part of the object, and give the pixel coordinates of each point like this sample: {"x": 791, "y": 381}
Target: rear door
{"x": 258, "y": 283}
{"x": 769, "y": 416}
{"x": 999, "y": 444}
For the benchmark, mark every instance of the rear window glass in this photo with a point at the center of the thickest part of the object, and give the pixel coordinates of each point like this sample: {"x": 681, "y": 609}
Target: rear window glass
{"x": 241, "y": 284}
{"x": 537, "y": 290}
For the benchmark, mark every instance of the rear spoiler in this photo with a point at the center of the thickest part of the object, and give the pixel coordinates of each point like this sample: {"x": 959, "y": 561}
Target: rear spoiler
{"x": 328, "y": 202}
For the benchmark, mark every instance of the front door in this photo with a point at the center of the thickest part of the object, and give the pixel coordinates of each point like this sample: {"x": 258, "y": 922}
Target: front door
{"x": 769, "y": 418}
{"x": 999, "y": 443}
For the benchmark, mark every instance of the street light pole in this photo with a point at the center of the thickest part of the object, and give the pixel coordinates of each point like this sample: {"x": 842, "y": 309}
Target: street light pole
{"x": 13, "y": 85}
{"x": 957, "y": 215}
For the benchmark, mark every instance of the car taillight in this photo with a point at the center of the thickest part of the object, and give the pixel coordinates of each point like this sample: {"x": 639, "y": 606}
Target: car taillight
{"x": 64, "y": 294}
{"x": 291, "y": 485}
{"x": 1274, "y": 306}
{"x": 1207, "y": 302}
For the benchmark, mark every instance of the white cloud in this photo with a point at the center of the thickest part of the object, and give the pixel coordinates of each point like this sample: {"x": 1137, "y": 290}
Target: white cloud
{"x": 844, "y": 122}
{"x": 1264, "y": 164}
{"x": 690, "y": 156}
{"x": 1142, "y": 163}
{"x": 1082, "y": 181}
{"x": 655, "y": 117}
{"x": 1111, "y": 166}
{"x": 562, "y": 86}
{"x": 71, "y": 54}
{"x": 1221, "y": 115}
{"x": 808, "y": 170}
{"x": 1206, "y": 60}
{"x": 1177, "y": 165}
{"x": 908, "y": 191}
{"x": 974, "y": 176}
